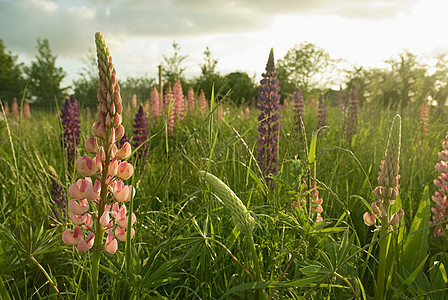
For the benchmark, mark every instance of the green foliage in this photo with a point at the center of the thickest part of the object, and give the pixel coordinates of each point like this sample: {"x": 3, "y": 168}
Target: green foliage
{"x": 242, "y": 87}
{"x": 172, "y": 66}
{"x": 306, "y": 66}
{"x": 45, "y": 77}
{"x": 12, "y": 82}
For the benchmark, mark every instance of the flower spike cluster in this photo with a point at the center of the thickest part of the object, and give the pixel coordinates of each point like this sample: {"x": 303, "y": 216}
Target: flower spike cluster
{"x": 268, "y": 104}
{"x": 71, "y": 129}
{"x": 155, "y": 103}
{"x": 321, "y": 114}
{"x": 141, "y": 133}
{"x": 299, "y": 105}
{"x": 387, "y": 190}
{"x": 108, "y": 169}
{"x": 352, "y": 122}
{"x": 439, "y": 211}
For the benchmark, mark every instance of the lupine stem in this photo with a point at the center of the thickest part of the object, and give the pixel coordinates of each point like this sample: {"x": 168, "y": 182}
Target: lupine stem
{"x": 99, "y": 228}
{"x": 258, "y": 274}
{"x": 381, "y": 273}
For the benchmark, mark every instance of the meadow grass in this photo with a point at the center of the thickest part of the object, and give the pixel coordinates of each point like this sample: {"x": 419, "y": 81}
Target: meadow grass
{"x": 187, "y": 245}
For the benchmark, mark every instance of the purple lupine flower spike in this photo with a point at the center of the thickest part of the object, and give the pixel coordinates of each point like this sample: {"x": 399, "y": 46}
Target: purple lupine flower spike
{"x": 352, "y": 124}
{"x": 59, "y": 204}
{"x": 321, "y": 115}
{"x": 141, "y": 133}
{"x": 71, "y": 129}
{"x": 298, "y": 107}
{"x": 268, "y": 104}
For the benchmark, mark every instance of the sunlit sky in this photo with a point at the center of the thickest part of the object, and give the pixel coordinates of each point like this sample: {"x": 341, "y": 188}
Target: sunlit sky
{"x": 239, "y": 33}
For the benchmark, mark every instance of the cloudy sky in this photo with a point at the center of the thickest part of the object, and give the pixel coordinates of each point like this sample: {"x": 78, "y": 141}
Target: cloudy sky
{"x": 239, "y": 33}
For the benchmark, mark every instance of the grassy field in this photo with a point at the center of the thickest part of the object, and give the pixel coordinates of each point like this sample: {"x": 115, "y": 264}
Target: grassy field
{"x": 186, "y": 244}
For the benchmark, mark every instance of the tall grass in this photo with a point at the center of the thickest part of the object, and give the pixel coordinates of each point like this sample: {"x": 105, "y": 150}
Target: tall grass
{"x": 187, "y": 245}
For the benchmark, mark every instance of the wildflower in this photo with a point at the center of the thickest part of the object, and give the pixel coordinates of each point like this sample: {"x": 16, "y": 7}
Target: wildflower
{"x": 342, "y": 103}
{"x": 71, "y": 129}
{"x": 178, "y": 99}
{"x": 424, "y": 116}
{"x": 190, "y": 99}
{"x": 439, "y": 210}
{"x": 299, "y": 105}
{"x": 59, "y": 205}
{"x": 134, "y": 101}
{"x": 26, "y": 109}
{"x": 387, "y": 190}
{"x": 15, "y": 108}
{"x": 141, "y": 133}
{"x": 352, "y": 122}
{"x": 268, "y": 104}
{"x": 6, "y": 108}
{"x": 321, "y": 114}
{"x": 106, "y": 166}
{"x": 169, "y": 104}
{"x": 155, "y": 103}
{"x": 203, "y": 103}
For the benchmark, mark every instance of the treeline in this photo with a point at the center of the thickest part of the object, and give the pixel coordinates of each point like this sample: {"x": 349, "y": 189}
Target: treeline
{"x": 405, "y": 80}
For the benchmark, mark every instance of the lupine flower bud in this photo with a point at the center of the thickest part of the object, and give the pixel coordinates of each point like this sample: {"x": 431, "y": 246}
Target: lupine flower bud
{"x": 101, "y": 131}
{"x": 125, "y": 170}
{"x": 78, "y": 207}
{"x": 77, "y": 190}
{"x": 92, "y": 193}
{"x": 72, "y": 239}
{"x": 86, "y": 245}
{"x": 119, "y": 132}
{"x": 86, "y": 166}
{"x": 395, "y": 220}
{"x": 122, "y": 220}
{"x": 120, "y": 233}
{"x": 244, "y": 221}
{"x": 124, "y": 152}
{"x": 111, "y": 244}
{"x": 369, "y": 219}
{"x": 113, "y": 168}
{"x": 91, "y": 145}
{"x": 77, "y": 219}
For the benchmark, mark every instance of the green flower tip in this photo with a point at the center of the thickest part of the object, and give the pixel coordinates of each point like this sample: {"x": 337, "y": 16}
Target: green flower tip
{"x": 270, "y": 66}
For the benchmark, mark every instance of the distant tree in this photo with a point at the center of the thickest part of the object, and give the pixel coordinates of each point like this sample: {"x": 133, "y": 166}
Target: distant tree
{"x": 210, "y": 77}
{"x": 306, "y": 66}
{"x": 12, "y": 82}
{"x": 242, "y": 87}
{"x": 410, "y": 78}
{"x": 86, "y": 87}
{"x": 440, "y": 79}
{"x": 44, "y": 77}
{"x": 172, "y": 66}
